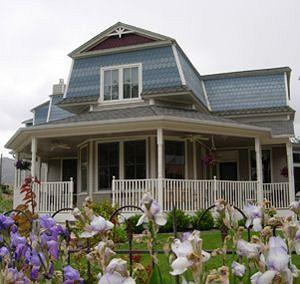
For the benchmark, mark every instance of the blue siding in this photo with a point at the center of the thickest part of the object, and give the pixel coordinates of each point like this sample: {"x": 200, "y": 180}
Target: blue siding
{"x": 55, "y": 111}
{"x": 158, "y": 65}
{"x": 192, "y": 79}
{"x": 246, "y": 92}
{"x": 41, "y": 113}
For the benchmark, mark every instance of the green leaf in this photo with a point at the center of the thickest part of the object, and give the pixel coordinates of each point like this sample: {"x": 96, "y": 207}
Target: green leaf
{"x": 156, "y": 277}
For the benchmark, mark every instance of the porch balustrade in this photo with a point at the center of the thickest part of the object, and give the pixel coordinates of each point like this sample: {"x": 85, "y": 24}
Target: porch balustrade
{"x": 192, "y": 195}
{"x": 52, "y": 196}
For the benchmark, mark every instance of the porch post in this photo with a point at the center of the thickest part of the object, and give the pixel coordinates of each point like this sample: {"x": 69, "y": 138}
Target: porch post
{"x": 259, "y": 170}
{"x": 160, "y": 142}
{"x": 290, "y": 165}
{"x": 33, "y": 156}
{"x": 90, "y": 170}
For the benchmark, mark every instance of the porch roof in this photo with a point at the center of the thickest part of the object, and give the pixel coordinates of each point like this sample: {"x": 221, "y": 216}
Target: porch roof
{"x": 137, "y": 119}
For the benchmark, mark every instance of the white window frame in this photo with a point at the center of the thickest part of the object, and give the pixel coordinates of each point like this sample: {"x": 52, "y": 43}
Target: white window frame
{"x": 80, "y": 173}
{"x": 120, "y": 69}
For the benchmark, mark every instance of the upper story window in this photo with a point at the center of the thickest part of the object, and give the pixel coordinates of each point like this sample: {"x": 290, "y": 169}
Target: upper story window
{"x": 121, "y": 82}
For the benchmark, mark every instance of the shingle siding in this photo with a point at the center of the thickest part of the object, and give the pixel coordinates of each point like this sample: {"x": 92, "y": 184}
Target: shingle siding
{"x": 56, "y": 112}
{"x": 158, "y": 70}
{"x": 192, "y": 79}
{"x": 41, "y": 113}
{"x": 246, "y": 92}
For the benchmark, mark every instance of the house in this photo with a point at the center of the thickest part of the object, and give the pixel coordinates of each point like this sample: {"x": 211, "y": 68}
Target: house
{"x": 135, "y": 115}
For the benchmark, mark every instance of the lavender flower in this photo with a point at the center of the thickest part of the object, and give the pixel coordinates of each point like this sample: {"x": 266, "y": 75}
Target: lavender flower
{"x": 4, "y": 251}
{"x": 152, "y": 211}
{"x": 247, "y": 249}
{"x": 254, "y": 217}
{"x": 238, "y": 269}
{"x": 5, "y": 222}
{"x": 53, "y": 249}
{"x": 71, "y": 275}
{"x": 47, "y": 222}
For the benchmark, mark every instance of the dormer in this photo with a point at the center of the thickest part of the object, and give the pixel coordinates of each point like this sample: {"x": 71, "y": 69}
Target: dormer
{"x": 125, "y": 66}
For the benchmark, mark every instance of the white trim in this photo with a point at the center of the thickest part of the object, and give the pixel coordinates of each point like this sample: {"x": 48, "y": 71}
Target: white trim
{"x": 68, "y": 80}
{"x": 178, "y": 64}
{"x": 120, "y": 69}
{"x": 49, "y": 109}
{"x": 79, "y": 173}
{"x": 205, "y": 95}
{"x": 286, "y": 89}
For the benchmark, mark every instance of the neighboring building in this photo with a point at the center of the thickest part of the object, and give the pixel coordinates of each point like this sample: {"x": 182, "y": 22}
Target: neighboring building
{"x": 135, "y": 108}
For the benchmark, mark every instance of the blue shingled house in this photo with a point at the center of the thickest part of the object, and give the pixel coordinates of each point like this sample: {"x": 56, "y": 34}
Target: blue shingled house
{"x": 135, "y": 115}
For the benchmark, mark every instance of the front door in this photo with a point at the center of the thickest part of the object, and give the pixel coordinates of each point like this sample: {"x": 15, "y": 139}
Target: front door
{"x": 228, "y": 171}
{"x": 69, "y": 170}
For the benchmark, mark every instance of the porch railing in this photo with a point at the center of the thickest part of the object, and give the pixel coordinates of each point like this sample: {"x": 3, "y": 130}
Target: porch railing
{"x": 277, "y": 194}
{"x": 52, "y": 196}
{"x": 192, "y": 195}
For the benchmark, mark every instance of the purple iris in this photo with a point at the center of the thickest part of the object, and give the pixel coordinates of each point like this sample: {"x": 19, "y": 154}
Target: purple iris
{"x": 53, "y": 249}
{"x": 16, "y": 239}
{"x": 4, "y": 251}
{"x": 71, "y": 275}
{"x": 35, "y": 260}
{"x": 34, "y": 273}
{"x": 47, "y": 222}
{"x": 5, "y": 222}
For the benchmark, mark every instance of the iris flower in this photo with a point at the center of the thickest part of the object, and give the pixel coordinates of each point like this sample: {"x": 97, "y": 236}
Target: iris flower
{"x": 254, "y": 217}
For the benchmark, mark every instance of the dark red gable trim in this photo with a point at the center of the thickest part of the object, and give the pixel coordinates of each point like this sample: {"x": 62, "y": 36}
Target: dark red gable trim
{"x": 125, "y": 40}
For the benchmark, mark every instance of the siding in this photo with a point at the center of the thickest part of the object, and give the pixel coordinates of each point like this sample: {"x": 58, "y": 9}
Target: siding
{"x": 56, "y": 112}
{"x": 246, "y": 92}
{"x": 159, "y": 70}
{"x": 41, "y": 113}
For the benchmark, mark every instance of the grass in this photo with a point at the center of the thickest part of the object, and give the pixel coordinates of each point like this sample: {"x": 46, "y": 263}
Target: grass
{"x": 211, "y": 240}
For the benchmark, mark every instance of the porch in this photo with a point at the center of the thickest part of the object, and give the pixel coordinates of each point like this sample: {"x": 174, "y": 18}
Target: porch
{"x": 167, "y": 162}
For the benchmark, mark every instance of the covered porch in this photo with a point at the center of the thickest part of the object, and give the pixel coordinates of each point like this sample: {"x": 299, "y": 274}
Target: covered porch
{"x": 168, "y": 161}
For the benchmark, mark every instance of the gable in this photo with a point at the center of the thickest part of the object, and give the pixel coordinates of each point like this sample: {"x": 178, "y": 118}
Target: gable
{"x": 117, "y": 41}
{"x": 119, "y": 36}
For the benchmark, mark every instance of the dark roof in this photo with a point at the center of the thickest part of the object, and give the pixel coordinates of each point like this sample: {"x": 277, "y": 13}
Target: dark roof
{"x": 254, "y": 111}
{"x": 78, "y": 100}
{"x": 246, "y": 73}
{"x": 145, "y": 111}
{"x": 282, "y": 127}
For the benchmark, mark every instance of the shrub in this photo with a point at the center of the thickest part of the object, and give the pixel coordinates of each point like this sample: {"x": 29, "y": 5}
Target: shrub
{"x": 132, "y": 221}
{"x": 103, "y": 208}
{"x": 119, "y": 234}
{"x": 206, "y": 223}
{"x": 183, "y": 222}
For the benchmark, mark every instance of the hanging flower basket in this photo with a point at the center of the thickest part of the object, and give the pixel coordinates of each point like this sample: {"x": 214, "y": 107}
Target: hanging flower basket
{"x": 284, "y": 172}
{"x": 23, "y": 165}
{"x": 210, "y": 159}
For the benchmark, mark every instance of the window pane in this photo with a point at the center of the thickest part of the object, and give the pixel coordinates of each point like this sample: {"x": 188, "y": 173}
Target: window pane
{"x": 115, "y": 92}
{"x": 130, "y": 83}
{"x": 107, "y": 78}
{"x": 174, "y": 159}
{"x": 115, "y": 77}
{"x": 108, "y": 164}
{"x": 296, "y": 157}
{"x": 107, "y": 92}
{"x": 266, "y": 164}
{"x": 135, "y": 159}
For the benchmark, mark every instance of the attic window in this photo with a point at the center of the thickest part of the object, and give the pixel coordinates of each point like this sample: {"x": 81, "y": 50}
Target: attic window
{"x": 121, "y": 82}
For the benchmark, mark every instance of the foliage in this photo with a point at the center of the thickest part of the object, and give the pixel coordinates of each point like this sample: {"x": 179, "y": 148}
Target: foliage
{"x": 23, "y": 165}
{"x": 206, "y": 223}
{"x": 132, "y": 221}
{"x": 119, "y": 234}
{"x": 183, "y": 222}
{"x": 4, "y": 188}
{"x": 103, "y": 208}
{"x": 5, "y": 205}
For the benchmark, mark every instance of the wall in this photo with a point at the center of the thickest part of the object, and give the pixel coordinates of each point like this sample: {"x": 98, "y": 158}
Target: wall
{"x": 54, "y": 170}
{"x": 279, "y": 161}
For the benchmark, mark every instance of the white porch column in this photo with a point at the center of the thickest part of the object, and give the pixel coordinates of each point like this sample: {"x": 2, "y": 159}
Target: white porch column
{"x": 259, "y": 173}
{"x": 160, "y": 144}
{"x": 90, "y": 169}
{"x": 290, "y": 165}
{"x": 33, "y": 156}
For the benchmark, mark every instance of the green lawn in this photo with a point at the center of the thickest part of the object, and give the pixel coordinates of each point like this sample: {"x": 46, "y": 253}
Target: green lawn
{"x": 211, "y": 240}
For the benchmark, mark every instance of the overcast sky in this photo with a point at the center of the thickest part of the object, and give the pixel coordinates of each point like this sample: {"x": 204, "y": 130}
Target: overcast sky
{"x": 218, "y": 36}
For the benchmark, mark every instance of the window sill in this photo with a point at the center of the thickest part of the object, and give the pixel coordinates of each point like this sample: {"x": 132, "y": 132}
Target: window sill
{"x": 121, "y": 101}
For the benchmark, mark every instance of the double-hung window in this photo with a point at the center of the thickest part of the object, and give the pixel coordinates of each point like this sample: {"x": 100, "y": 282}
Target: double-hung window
{"x": 121, "y": 82}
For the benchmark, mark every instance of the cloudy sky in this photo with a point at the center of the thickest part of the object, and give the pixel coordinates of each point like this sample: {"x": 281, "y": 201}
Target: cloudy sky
{"x": 218, "y": 36}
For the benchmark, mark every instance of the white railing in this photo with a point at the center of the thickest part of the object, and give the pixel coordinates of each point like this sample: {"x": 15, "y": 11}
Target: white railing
{"x": 52, "y": 196}
{"x": 192, "y": 195}
{"x": 130, "y": 192}
{"x": 277, "y": 194}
